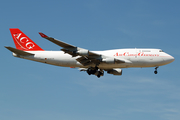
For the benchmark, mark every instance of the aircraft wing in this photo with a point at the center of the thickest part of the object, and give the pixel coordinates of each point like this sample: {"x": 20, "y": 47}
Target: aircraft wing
{"x": 87, "y": 57}
{"x": 68, "y": 48}
{"x": 57, "y": 42}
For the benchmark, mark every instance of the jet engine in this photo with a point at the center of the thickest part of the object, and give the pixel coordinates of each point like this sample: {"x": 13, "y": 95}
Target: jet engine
{"x": 115, "y": 71}
{"x": 109, "y": 60}
{"x": 83, "y": 52}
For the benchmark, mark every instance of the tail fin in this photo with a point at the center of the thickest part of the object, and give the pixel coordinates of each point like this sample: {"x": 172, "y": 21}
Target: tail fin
{"x": 23, "y": 42}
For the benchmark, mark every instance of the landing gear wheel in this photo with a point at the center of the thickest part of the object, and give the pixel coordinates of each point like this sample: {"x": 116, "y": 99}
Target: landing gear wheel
{"x": 89, "y": 72}
{"x": 155, "y": 72}
{"x": 98, "y": 75}
{"x": 95, "y": 71}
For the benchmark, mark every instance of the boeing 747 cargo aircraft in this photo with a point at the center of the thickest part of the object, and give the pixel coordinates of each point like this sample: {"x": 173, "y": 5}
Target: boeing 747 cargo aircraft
{"x": 93, "y": 62}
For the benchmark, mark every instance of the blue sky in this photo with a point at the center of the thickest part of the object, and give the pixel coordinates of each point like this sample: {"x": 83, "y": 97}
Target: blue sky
{"x": 31, "y": 90}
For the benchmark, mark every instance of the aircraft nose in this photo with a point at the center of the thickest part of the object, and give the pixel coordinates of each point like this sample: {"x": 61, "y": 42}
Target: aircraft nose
{"x": 170, "y": 59}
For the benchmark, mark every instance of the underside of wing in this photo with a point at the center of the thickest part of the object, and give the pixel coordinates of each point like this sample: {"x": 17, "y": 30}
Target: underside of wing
{"x": 88, "y": 61}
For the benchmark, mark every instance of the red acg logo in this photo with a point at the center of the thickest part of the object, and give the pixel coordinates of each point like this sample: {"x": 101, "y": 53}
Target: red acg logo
{"x": 23, "y": 41}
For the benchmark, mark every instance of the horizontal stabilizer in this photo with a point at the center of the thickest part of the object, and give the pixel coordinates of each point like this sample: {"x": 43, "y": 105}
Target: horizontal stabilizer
{"x": 19, "y": 52}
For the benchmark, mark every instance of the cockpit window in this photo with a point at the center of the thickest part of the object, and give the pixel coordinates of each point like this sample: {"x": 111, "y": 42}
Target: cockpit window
{"x": 161, "y": 51}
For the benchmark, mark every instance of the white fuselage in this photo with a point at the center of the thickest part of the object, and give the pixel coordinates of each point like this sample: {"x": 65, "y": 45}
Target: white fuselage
{"x": 132, "y": 58}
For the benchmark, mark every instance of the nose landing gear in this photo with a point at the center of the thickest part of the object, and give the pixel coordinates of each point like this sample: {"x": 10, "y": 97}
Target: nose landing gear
{"x": 155, "y": 72}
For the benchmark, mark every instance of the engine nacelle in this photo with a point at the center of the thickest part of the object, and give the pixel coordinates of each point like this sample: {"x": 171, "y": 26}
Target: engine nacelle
{"x": 115, "y": 71}
{"x": 109, "y": 60}
{"x": 83, "y": 52}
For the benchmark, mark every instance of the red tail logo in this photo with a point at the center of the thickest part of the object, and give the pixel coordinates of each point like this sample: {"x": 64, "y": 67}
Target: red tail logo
{"x": 23, "y": 42}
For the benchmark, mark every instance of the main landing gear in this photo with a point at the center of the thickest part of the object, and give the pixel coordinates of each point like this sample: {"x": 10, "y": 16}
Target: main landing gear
{"x": 155, "y": 72}
{"x": 95, "y": 71}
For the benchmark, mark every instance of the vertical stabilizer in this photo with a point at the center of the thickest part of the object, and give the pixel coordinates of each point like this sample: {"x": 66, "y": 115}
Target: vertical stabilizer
{"x": 23, "y": 42}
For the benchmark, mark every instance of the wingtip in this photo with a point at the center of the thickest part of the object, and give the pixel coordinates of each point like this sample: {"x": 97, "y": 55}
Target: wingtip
{"x": 6, "y": 47}
{"x": 43, "y": 35}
